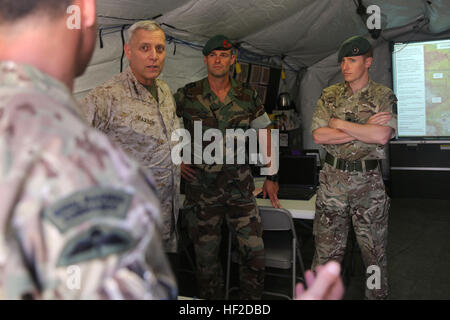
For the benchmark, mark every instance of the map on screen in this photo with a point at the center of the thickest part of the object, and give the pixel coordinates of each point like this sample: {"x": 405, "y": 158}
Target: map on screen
{"x": 421, "y": 72}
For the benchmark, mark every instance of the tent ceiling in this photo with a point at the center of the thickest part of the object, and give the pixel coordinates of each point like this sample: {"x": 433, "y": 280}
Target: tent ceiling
{"x": 129, "y": 10}
{"x": 305, "y": 30}
{"x": 236, "y": 18}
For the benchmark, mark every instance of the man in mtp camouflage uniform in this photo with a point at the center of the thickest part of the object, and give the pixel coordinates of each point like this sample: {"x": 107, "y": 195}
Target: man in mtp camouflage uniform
{"x": 218, "y": 191}
{"x": 353, "y": 121}
{"x": 137, "y": 111}
{"x": 78, "y": 219}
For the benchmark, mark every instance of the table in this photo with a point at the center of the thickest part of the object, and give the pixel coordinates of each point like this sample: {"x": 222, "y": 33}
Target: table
{"x": 299, "y": 209}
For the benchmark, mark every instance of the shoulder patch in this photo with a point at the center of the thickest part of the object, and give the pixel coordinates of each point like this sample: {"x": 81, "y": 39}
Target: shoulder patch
{"x": 96, "y": 242}
{"x": 84, "y": 205}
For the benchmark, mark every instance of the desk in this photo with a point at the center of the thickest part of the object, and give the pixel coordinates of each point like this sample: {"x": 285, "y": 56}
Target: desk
{"x": 299, "y": 209}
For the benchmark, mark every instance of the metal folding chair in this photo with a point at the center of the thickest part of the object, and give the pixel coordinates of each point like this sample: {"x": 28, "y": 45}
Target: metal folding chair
{"x": 281, "y": 247}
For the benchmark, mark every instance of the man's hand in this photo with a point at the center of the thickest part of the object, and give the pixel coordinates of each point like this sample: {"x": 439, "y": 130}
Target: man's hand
{"x": 271, "y": 188}
{"x": 187, "y": 172}
{"x": 380, "y": 118}
{"x": 327, "y": 285}
{"x": 334, "y": 123}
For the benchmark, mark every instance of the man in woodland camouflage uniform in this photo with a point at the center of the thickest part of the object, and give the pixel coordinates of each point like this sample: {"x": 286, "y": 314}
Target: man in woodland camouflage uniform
{"x": 218, "y": 191}
{"x": 79, "y": 220}
{"x": 353, "y": 121}
{"x": 137, "y": 111}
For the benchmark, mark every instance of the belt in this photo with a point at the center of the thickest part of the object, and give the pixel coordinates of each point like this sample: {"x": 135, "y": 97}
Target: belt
{"x": 346, "y": 165}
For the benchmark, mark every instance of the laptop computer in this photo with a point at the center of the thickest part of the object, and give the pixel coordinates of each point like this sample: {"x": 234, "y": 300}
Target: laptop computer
{"x": 297, "y": 177}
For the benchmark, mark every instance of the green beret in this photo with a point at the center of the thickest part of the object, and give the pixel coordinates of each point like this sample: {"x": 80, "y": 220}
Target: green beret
{"x": 354, "y": 46}
{"x": 218, "y": 42}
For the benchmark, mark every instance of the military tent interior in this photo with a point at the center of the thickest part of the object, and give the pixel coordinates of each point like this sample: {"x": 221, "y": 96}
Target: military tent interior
{"x": 304, "y": 37}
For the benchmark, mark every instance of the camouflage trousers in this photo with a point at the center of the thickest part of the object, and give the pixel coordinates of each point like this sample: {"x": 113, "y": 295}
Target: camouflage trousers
{"x": 209, "y": 200}
{"x": 346, "y": 198}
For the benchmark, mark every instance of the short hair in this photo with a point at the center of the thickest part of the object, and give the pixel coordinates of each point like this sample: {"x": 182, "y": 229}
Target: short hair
{"x": 148, "y": 25}
{"x": 14, "y": 10}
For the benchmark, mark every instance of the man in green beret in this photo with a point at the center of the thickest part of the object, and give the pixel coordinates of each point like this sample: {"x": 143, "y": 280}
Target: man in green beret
{"x": 353, "y": 121}
{"x": 215, "y": 192}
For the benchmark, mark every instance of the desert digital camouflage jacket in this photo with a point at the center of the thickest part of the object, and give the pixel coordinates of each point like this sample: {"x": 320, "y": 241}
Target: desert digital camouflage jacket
{"x": 337, "y": 101}
{"x": 132, "y": 118}
{"x": 78, "y": 219}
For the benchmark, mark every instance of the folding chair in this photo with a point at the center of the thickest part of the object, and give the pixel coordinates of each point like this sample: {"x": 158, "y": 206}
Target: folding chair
{"x": 281, "y": 247}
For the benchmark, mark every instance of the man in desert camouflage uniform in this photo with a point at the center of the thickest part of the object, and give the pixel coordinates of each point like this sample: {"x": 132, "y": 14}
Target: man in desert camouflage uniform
{"x": 218, "y": 191}
{"x": 137, "y": 111}
{"x": 353, "y": 121}
{"x": 79, "y": 220}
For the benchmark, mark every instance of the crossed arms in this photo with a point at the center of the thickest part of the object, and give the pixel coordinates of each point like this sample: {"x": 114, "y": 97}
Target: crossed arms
{"x": 341, "y": 131}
